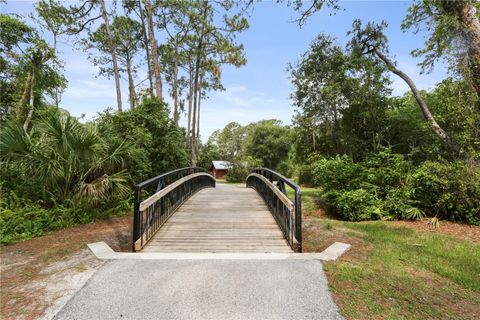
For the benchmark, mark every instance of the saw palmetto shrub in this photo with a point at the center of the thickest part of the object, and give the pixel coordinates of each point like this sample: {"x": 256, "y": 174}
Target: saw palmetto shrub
{"x": 387, "y": 186}
{"x": 448, "y": 190}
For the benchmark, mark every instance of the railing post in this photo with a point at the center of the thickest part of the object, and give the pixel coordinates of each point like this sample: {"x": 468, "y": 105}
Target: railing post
{"x": 298, "y": 219}
{"x": 136, "y": 216}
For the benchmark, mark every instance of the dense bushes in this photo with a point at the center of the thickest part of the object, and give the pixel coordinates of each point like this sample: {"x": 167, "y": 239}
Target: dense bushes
{"x": 63, "y": 172}
{"x": 20, "y": 219}
{"x": 386, "y": 186}
{"x": 241, "y": 168}
{"x": 448, "y": 190}
{"x": 238, "y": 173}
{"x": 156, "y": 142}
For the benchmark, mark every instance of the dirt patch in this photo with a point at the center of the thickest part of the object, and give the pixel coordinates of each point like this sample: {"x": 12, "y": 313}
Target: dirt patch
{"x": 457, "y": 230}
{"x": 39, "y": 275}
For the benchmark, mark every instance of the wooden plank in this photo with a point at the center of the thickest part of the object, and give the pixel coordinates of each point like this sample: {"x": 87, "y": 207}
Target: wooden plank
{"x": 224, "y": 219}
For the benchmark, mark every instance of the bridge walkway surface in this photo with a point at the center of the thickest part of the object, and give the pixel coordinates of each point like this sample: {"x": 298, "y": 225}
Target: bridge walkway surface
{"x": 227, "y": 218}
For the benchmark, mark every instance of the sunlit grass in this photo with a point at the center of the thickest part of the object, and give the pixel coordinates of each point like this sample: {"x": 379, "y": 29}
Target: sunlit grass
{"x": 394, "y": 272}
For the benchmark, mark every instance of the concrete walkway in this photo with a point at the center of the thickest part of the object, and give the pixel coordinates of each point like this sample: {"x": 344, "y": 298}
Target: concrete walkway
{"x": 204, "y": 289}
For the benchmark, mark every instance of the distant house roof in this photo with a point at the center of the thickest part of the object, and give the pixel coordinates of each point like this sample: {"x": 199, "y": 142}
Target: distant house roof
{"x": 221, "y": 165}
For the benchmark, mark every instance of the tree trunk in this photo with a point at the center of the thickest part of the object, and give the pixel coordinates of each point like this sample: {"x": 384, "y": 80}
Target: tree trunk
{"x": 25, "y": 95}
{"x": 175, "y": 85}
{"x": 153, "y": 45}
{"x": 147, "y": 50}
{"x": 190, "y": 93}
{"x": 113, "y": 52}
{"x": 193, "y": 144}
{"x": 131, "y": 85}
{"x": 198, "y": 61}
{"x": 421, "y": 103}
{"x": 30, "y": 104}
{"x": 469, "y": 17}
{"x": 56, "y": 93}
{"x": 199, "y": 101}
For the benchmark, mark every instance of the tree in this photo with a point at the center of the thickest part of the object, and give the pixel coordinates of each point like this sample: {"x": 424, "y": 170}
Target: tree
{"x": 269, "y": 142}
{"x": 156, "y": 142}
{"x": 229, "y": 141}
{"x": 29, "y": 67}
{"x": 51, "y": 16}
{"x": 126, "y": 36}
{"x": 454, "y": 28}
{"x": 319, "y": 81}
{"x": 371, "y": 40}
{"x": 177, "y": 24}
{"x": 153, "y": 48}
{"x": 341, "y": 101}
{"x": 136, "y": 6}
{"x": 210, "y": 46}
{"x": 79, "y": 17}
{"x": 113, "y": 52}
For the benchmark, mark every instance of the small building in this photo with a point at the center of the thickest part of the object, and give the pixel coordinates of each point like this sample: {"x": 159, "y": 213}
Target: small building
{"x": 219, "y": 169}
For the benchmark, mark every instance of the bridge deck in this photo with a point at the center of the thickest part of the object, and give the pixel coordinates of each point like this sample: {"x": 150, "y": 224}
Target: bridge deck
{"x": 223, "y": 219}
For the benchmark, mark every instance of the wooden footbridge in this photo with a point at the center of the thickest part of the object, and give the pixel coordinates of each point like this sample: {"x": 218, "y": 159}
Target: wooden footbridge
{"x": 186, "y": 211}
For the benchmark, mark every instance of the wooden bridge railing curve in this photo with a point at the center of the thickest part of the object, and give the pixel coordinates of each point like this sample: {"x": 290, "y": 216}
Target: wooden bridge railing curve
{"x": 169, "y": 190}
{"x": 272, "y": 188}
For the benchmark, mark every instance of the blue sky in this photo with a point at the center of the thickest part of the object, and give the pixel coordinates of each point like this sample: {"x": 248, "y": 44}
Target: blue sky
{"x": 261, "y": 89}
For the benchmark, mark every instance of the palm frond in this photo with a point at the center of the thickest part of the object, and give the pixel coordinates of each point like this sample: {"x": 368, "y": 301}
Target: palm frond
{"x": 15, "y": 143}
{"x": 104, "y": 186}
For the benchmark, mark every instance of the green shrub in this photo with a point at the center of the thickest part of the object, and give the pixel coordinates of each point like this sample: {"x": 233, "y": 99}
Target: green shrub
{"x": 241, "y": 168}
{"x": 385, "y": 184}
{"x": 305, "y": 175}
{"x": 386, "y": 170}
{"x": 400, "y": 204}
{"x": 285, "y": 168}
{"x": 448, "y": 190}
{"x": 359, "y": 204}
{"x": 339, "y": 173}
{"x": 238, "y": 173}
{"x": 22, "y": 220}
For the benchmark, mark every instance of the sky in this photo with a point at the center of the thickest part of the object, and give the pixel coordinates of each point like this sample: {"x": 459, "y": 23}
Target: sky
{"x": 261, "y": 89}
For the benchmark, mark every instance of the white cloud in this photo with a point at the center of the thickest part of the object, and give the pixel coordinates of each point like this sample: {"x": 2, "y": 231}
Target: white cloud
{"x": 243, "y": 105}
{"x": 242, "y": 96}
{"x": 86, "y": 89}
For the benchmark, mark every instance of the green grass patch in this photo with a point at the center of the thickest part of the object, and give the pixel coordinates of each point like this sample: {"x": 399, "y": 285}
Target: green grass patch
{"x": 396, "y": 272}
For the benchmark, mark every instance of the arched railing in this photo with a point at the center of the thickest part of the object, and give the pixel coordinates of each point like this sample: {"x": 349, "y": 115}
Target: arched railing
{"x": 167, "y": 192}
{"x": 272, "y": 188}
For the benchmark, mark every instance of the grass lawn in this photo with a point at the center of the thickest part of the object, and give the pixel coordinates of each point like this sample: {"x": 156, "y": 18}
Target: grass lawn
{"x": 396, "y": 271}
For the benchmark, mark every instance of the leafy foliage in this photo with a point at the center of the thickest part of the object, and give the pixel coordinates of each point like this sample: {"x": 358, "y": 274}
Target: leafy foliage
{"x": 85, "y": 170}
{"x": 156, "y": 143}
{"x": 385, "y": 185}
{"x": 241, "y": 169}
{"x": 267, "y": 142}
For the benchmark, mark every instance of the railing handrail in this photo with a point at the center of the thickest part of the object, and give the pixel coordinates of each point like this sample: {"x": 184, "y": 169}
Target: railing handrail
{"x": 271, "y": 176}
{"x": 283, "y": 197}
{"x": 278, "y": 175}
{"x": 150, "y": 181}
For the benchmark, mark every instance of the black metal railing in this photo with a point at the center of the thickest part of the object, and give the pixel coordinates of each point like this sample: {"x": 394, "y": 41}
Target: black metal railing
{"x": 165, "y": 194}
{"x": 272, "y": 188}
